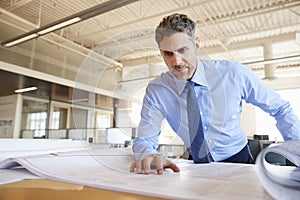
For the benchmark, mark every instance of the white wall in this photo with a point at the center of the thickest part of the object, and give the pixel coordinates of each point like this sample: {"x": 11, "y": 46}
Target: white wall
{"x": 248, "y": 119}
{"x": 10, "y": 116}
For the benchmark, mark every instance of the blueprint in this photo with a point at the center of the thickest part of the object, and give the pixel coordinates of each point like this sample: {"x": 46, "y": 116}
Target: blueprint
{"x": 109, "y": 169}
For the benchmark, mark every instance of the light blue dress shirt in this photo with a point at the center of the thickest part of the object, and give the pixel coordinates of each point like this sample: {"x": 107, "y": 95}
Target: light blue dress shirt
{"x": 221, "y": 87}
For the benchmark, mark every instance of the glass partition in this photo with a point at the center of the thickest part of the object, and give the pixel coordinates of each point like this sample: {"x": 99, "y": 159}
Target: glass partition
{"x": 34, "y": 117}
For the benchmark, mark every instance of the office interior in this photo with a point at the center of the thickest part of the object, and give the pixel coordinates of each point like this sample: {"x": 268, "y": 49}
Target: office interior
{"x": 90, "y": 75}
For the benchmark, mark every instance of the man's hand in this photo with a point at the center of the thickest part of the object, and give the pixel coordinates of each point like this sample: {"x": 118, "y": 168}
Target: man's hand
{"x": 153, "y": 161}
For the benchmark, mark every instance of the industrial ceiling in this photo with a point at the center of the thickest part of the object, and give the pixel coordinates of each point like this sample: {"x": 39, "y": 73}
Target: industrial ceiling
{"x": 114, "y": 53}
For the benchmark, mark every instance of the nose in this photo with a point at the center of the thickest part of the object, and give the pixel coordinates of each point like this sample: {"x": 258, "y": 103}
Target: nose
{"x": 176, "y": 59}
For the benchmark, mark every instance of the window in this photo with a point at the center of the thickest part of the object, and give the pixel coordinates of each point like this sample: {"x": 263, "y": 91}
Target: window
{"x": 37, "y": 122}
{"x": 55, "y": 119}
{"x": 103, "y": 120}
{"x": 59, "y": 117}
{"x": 34, "y": 116}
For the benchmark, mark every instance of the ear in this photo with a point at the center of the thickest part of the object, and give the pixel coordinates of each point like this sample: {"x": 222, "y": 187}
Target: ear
{"x": 197, "y": 43}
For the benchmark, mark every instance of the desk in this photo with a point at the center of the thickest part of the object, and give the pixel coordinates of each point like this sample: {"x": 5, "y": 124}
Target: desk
{"x": 105, "y": 174}
{"x": 54, "y": 190}
{"x": 202, "y": 181}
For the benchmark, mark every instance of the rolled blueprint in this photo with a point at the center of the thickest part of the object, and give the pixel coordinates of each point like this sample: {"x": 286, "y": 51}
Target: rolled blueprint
{"x": 280, "y": 179}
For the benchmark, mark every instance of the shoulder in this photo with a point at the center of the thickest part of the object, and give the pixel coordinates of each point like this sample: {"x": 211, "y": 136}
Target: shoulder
{"x": 222, "y": 64}
{"x": 159, "y": 82}
{"x": 164, "y": 80}
{"x": 226, "y": 67}
{"x": 165, "y": 84}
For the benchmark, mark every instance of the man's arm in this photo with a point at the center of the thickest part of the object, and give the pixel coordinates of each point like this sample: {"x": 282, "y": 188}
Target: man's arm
{"x": 145, "y": 145}
{"x": 149, "y": 128}
{"x": 258, "y": 93}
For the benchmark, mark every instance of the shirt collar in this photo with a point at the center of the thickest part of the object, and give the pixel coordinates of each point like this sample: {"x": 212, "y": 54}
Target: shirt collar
{"x": 198, "y": 78}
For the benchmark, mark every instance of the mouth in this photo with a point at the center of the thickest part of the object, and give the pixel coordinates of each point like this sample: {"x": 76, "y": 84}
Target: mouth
{"x": 180, "y": 67}
{"x": 181, "y": 72}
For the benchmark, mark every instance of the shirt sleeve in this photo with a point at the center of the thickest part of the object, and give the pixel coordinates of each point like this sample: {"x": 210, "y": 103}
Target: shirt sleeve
{"x": 149, "y": 127}
{"x": 256, "y": 92}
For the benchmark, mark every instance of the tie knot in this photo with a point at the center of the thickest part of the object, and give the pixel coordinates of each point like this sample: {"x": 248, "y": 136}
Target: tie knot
{"x": 192, "y": 83}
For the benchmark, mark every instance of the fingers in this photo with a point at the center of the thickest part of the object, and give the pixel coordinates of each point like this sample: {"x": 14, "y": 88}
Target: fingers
{"x": 146, "y": 164}
{"x": 132, "y": 167}
{"x": 173, "y": 167}
{"x": 170, "y": 165}
{"x": 138, "y": 166}
{"x": 155, "y": 161}
{"x": 158, "y": 161}
{"x": 142, "y": 164}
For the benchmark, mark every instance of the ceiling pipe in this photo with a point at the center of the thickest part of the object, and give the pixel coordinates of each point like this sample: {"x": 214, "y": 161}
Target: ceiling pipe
{"x": 273, "y": 60}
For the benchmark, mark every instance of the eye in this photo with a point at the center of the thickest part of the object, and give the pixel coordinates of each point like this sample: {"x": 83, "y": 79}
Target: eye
{"x": 168, "y": 53}
{"x": 182, "y": 50}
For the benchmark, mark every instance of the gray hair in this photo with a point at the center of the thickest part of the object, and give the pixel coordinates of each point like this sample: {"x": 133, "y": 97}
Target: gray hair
{"x": 174, "y": 23}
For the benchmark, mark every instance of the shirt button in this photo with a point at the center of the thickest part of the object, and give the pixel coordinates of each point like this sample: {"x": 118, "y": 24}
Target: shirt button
{"x": 205, "y": 127}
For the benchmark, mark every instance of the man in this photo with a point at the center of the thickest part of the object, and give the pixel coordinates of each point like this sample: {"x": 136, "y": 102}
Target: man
{"x": 219, "y": 87}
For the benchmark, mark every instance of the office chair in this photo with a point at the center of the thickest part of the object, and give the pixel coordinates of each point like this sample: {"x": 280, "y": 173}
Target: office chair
{"x": 255, "y": 147}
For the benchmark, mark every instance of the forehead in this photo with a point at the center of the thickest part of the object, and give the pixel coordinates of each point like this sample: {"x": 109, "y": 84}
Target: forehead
{"x": 175, "y": 41}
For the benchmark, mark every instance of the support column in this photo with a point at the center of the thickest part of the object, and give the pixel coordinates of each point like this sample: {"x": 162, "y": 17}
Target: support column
{"x": 269, "y": 68}
{"x": 115, "y": 113}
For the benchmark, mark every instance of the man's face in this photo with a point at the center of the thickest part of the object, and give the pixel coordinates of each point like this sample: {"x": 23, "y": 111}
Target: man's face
{"x": 179, "y": 52}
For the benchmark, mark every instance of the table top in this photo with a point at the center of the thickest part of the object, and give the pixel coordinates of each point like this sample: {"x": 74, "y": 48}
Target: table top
{"x": 88, "y": 174}
{"x": 49, "y": 190}
{"x": 243, "y": 184}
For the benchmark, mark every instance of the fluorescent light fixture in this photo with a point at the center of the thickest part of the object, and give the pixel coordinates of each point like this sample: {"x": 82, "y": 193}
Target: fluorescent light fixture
{"x": 86, "y": 14}
{"x": 60, "y": 25}
{"x": 25, "y": 89}
{"x": 79, "y": 100}
{"x": 20, "y": 40}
